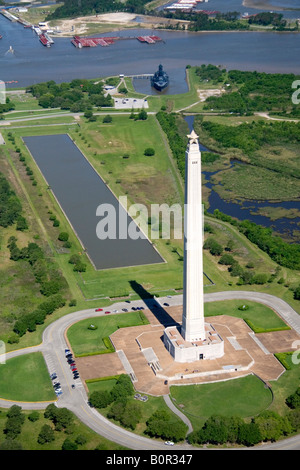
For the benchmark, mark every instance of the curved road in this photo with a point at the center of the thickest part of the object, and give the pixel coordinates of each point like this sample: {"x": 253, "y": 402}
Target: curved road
{"x": 53, "y": 349}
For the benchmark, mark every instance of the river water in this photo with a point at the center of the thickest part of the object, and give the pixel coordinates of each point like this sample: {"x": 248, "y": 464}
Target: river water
{"x": 32, "y": 63}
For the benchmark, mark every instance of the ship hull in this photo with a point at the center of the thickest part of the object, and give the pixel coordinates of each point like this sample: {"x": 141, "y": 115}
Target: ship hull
{"x": 160, "y": 86}
{"x": 160, "y": 80}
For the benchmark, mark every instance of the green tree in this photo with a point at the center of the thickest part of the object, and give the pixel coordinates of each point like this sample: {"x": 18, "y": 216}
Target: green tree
{"x": 131, "y": 415}
{"x": 21, "y": 223}
{"x": 249, "y": 434}
{"x": 100, "y": 399}
{"x": 293, "y": 400}
{"x": 142, "y": 115}
{"x": 227, "y": 259}
{"x": 68, "y": 444}
{"x": 149, "y": 152}
{"x": 107, "y": 119}
{"x": 88, "y": 114}
{"x": 213, "y": 246}
{"x": 271, "y": 425}
{"x": 46, "y": 434}
{"x": 161, "y": 425}
{"x": 63, "y": 236}
{"x": 34, "y": 416}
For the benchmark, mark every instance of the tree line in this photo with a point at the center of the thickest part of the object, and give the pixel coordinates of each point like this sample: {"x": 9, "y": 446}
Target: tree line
{"x": 177, "y": 143}
{"x": 129, "y": 413}
{"x": 10, "y": 206}
{"x": 283, "y": 253}
{"x": 5, "y": 107}
{"x": 77, "y": 96}
{"x": 251, "y": 137}
{"x": 52, "y": 285}
{"x": 268, "y": 426}
{"x": 251, "y": 91}
{"x": 71, "y": 8}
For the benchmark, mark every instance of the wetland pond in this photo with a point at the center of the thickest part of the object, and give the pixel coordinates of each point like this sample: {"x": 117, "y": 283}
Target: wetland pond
{"x": 283, "y": 216}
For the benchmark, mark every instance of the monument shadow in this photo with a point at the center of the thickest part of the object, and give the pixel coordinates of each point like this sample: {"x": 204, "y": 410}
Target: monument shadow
{"x": 154, "y": 306}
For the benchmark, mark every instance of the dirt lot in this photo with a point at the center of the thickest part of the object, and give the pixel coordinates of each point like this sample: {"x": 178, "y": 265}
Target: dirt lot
{"x": 107, "y": 22}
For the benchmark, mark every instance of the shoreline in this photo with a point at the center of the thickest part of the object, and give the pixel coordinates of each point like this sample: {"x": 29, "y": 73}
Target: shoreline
{"x": 91, "y": 25}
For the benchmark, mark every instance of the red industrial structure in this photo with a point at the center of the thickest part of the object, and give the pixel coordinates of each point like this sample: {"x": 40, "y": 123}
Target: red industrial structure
{"x": 80, "y": 42}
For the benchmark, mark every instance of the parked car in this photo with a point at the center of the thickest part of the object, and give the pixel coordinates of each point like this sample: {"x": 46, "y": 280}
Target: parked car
{"x": 169, "y": 443}
{"x": 99, "y": 310}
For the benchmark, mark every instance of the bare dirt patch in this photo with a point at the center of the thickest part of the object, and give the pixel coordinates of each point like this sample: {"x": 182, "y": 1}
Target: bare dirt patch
{"x": 204, "y": 94}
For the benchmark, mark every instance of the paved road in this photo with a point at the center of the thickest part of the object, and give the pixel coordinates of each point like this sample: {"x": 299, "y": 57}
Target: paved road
{"x": 54, "y": 344}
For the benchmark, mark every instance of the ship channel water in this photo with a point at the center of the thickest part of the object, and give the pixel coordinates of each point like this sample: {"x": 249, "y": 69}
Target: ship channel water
{"x": 33, "y": 63}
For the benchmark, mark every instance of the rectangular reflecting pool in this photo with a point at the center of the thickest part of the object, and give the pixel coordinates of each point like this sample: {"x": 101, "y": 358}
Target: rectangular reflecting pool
{"x": 79, "y": 190}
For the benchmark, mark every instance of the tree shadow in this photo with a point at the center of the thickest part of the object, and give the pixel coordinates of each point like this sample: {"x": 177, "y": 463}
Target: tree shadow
{"x": 158, "y": 311}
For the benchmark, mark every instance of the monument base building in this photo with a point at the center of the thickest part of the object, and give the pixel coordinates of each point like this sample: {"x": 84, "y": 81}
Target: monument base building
{"x": 211, "y": 347}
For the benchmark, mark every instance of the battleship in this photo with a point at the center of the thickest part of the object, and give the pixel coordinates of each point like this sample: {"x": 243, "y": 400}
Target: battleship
{"x": 160, "y": 79}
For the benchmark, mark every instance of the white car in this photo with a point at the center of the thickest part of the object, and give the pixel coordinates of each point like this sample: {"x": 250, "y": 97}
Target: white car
{"x": 169, "y": 443}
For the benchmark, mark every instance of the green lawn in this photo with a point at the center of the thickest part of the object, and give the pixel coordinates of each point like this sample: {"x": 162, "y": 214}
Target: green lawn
{"x": 261, "y": 316}
{"x": 244, "y": 397}
{"x": 285, "y": 385}
{"x": 85, "y": 340}
{"x": 26, "y": 378}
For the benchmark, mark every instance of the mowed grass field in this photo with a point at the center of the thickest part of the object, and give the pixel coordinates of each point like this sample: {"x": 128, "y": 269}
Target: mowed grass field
{"x": 261, "y": 317}
{"x": 26, "y": 378}
{"x": 87, "y": 341}
{"x": 244, "y": 397}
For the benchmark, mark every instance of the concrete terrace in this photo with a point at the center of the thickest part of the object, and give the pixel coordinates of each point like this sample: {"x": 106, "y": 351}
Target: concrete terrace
{"x": 140, "y": 351}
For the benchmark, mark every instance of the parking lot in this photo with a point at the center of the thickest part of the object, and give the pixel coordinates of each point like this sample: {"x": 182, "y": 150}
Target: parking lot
{"x": 130, "y": 103}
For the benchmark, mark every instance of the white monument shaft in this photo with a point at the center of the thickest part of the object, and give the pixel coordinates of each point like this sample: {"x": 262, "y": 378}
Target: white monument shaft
{"x": 193, "y": 328}
{"x": 195, "y": 340}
